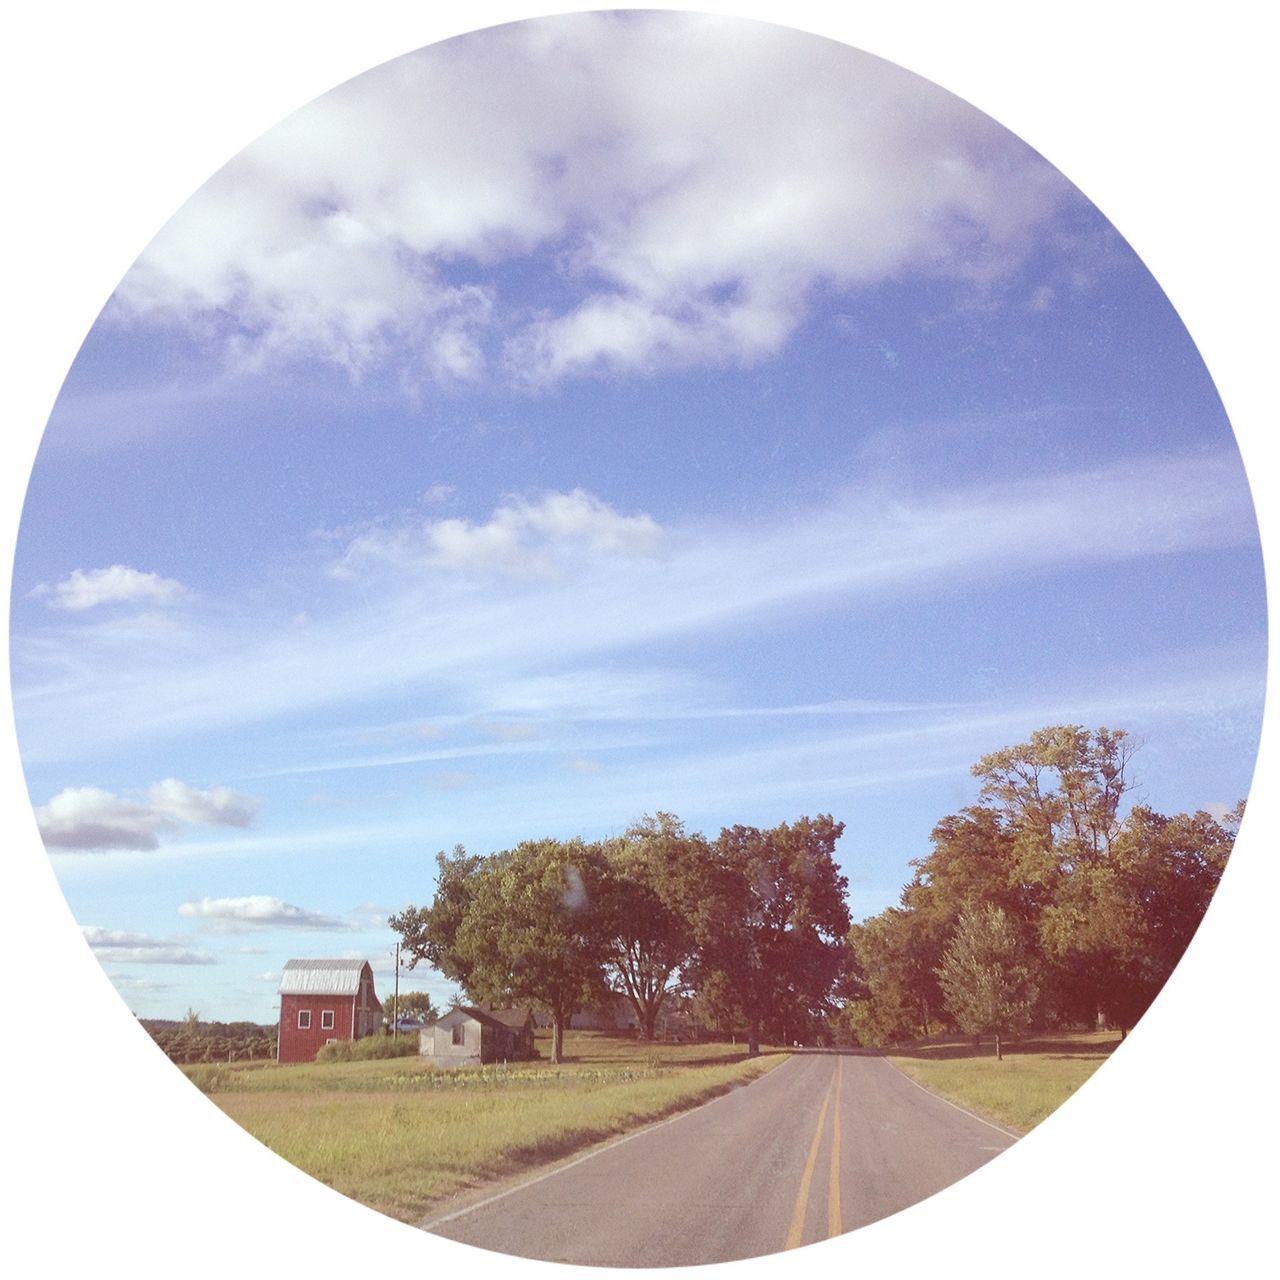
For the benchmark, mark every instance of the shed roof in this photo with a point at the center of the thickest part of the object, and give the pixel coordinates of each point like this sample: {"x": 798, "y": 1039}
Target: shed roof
{"x": 322, "y": 977}
{"x": 515, "y": 1018}
{"x": 477, "y": 1015}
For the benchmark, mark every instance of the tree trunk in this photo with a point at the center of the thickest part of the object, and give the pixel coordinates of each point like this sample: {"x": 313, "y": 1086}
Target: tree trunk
{"x": 557, "y": 1036}
{"x": 649, "y": 1022}
{"x": 999, "y": 1051}
{"x": 753, "y": 1040}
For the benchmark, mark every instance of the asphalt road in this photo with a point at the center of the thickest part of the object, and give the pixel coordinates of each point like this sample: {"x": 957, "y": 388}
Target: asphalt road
{"x": 822, "y": 1144}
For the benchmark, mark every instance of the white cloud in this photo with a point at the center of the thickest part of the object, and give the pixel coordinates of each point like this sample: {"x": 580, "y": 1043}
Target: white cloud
{"x": 218, "y": 806}
{"x": 115, "y": 585}
{"x": 117, "y": 946}
{"x": 522, "y": 538}
{"x": 89, "y": 818}
{"x": 439, "y": 641}
{"x": 256, "y": 911}
{"x": 687, "y": 179}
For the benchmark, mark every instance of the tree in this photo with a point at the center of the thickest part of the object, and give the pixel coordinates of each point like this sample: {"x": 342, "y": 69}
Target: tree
{"x": 986, "y": 975}
{"x": 529, "y": 931}
{"x": 1163, "y": 873}
{"x": 429, "y": 933}
{"x": 1062, "y": 787}
{"x": 409, "y": 1005}
{"x": 648, "y": 941}
{"x": 768, "y": 912}
{"x": 894, "y": 990}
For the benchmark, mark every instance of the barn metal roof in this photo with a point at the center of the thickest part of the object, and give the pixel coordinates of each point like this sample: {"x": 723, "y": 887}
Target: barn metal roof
{"x": 321, "y": 977}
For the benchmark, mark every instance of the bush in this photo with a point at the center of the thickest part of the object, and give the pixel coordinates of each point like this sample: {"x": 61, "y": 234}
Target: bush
{"x": 370, "y": 1047}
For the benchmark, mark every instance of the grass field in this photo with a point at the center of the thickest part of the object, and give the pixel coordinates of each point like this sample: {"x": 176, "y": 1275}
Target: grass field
{"x": 401, "y": 1136}
{"x": 1038, "y": 1074}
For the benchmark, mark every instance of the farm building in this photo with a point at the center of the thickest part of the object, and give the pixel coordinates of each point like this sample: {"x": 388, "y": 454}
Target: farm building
{"x": 324, "y": 1000}
{"x": 468, "y": 1036}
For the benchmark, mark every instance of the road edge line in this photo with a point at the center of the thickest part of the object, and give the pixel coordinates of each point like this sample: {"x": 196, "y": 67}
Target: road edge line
{"x": 991, "y": 1124}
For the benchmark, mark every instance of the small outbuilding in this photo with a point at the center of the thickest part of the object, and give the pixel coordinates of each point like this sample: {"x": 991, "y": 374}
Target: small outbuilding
{"x": 325, "y": 1000}
{"x": 470, "y": 1036}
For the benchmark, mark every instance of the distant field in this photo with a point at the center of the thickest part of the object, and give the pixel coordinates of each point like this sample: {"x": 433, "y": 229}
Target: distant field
{"x": 1038, "y": 1074}
{"x": 400, "y": 1136}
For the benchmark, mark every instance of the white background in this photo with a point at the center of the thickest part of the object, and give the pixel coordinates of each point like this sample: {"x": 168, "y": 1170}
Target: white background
{"x": 116, "y": 112}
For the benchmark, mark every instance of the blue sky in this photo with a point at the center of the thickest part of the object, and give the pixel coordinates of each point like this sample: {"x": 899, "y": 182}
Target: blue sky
{"x": 593, "y": 417}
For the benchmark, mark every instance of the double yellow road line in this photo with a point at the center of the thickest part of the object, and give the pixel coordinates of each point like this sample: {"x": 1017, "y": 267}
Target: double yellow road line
{"x": 834, "y": 1227}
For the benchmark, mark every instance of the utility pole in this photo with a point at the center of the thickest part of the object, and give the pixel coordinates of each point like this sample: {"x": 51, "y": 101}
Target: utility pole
{"x": 395, "y": 1006}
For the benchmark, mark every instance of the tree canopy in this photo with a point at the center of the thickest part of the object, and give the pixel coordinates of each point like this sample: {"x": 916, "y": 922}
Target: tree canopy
{"x": 1099, "y": 895}
{"x": 1053, "y": 899}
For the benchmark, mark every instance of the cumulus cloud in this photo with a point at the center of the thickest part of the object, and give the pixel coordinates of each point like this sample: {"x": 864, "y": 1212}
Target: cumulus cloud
{"x": 118, "y": 946}
{"x": 256, "y": 911}
{"x": 189, "y": 806}
{"x": 684, "y": 182}
{"x": 92, "y": 819}
{"x": 522, "y": 538}
{"x": 117, "y": 584}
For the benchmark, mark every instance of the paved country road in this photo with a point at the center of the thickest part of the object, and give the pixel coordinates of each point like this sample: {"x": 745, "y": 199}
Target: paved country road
{"x": 822, "y": 1144}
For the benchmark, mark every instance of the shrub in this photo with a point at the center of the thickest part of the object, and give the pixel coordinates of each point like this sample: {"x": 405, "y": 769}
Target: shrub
{"x": 368, "y": 1048}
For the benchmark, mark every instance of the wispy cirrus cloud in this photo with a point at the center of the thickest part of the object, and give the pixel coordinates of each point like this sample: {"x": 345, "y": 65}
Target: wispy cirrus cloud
{"x": 118, "y": 946}
{"x": 117, "y": 584}
{"x": 858, "y": 548}
{"x": 255, "y": 911}
{"x": 94, "y": 820}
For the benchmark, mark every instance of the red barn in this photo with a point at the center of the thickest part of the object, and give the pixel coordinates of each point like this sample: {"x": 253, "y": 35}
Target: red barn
{"x": 324, "y": 1000}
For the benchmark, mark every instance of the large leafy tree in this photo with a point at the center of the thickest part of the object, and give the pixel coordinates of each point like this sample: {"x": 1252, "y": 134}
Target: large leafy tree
{"x": 768, "y": 915}
{"x": 893, "y": 991}
{"x": 648, "y": 941}
{"x": 532, "y": 930}
{"x": 987, "y": 975}
{"x": 1146, "y": 904}
{"x": 1104, "y": 901}
{"x": 896, "y": 954}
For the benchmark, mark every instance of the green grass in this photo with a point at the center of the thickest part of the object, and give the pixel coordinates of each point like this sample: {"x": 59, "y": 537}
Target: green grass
{"x": 400, "y": 1136}
{"x": 1038, "y": 1074}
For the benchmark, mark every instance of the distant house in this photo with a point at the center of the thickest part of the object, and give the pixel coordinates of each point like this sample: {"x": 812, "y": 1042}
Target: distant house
{"x": 613, "y": 1013}
{"x": 324, "y": 1000}
{"x": 616, "y": 1013}
{"x": 469, "y": 1035}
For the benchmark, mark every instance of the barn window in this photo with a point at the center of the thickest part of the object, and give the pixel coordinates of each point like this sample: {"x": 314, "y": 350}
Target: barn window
{"x": 304, "y": 1019}
{"x": 460, "y": 1033}
{"x": 326, "y": 1020}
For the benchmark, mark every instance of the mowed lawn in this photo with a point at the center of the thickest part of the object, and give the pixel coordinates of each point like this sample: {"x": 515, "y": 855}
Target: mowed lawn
{"x": 1038, "y": 1074}
{"x": 401, "y": 1136}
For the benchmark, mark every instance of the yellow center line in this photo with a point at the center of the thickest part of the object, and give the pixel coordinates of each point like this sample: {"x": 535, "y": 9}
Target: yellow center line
{"x": 834, "y": 1227}
{"x": 802, "y": 1199}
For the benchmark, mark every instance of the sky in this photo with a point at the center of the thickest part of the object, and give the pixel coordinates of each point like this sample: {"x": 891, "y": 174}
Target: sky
{"x": 593, "y": 417}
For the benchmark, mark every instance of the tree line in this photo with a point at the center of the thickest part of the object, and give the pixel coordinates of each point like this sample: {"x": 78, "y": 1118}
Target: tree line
{"x": 1050, "y": 902}
{"x": 752, "y": 923}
